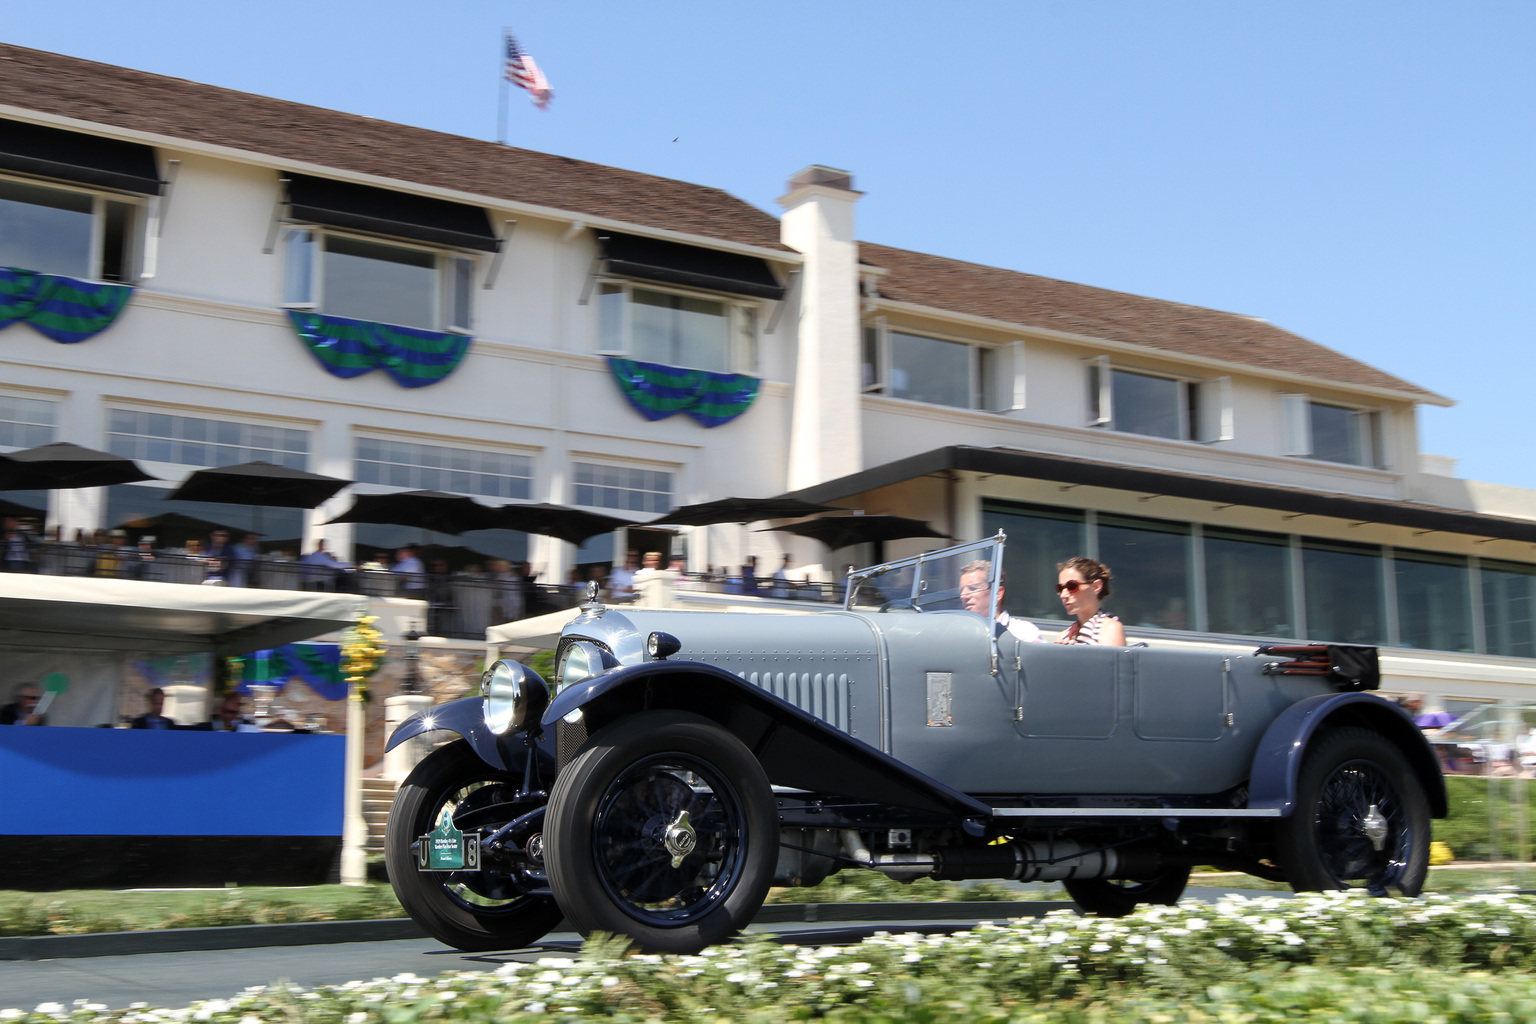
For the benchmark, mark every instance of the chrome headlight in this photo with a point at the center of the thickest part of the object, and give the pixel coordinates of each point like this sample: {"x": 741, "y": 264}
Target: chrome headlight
{"x": 579, "y": 662}
{"x": 512, "y": 694}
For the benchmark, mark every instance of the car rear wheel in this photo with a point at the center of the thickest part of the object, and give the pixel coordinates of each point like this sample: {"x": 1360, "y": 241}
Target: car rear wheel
{"x": 1117, "y": 897}
{"x": 662, "y": 828}
{"x": 1361, "y": 819}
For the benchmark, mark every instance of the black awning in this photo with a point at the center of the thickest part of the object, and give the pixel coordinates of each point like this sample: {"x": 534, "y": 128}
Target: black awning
{"x": 651, "y": 259}
{"x": 382, "y": 211}
{"x": 1060, "y": 469}
{"x": 77, "y": 157}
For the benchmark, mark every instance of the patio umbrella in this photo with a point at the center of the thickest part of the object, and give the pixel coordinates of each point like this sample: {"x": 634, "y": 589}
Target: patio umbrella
{"x": 62, "y": 466}
{"x": 572, "y": 525}
{"x": 1435, "y": 720}
{"x": 173, "y": 524}
{"x": 739, "y": 510}
{"x": 258, "y": 483}
{"x": 15, "y": 511}
{"x": 842, "y": 531}
{"x": 425, "y": 510}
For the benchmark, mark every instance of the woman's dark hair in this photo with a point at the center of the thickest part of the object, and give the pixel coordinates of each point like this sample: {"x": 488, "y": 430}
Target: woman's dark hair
{"x": 1089, "y": 570}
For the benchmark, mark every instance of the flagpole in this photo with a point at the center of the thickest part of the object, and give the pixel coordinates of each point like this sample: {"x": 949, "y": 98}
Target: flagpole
{"x": 501, "y": 74}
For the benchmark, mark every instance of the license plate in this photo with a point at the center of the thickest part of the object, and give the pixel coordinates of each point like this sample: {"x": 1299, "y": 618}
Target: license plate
{"x": 445, "y": 848}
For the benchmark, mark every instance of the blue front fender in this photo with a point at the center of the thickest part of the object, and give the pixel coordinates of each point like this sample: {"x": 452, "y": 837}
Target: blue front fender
{"x": 467, "y": 718}
{"x": 1277, "y": 762}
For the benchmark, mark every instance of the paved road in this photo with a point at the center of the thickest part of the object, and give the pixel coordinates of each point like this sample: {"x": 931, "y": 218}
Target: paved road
{"x": 177, "y": 979}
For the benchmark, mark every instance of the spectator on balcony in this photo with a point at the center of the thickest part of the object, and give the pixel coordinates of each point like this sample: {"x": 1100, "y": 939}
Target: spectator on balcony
{"x": 411, "y": 575}
{"x": 322, "y": 568}
{"x": 243, "y": 563}
{"x": 154, "y": 717}
{"x": 621, "y": 579}
{"x": 18, "y": 551}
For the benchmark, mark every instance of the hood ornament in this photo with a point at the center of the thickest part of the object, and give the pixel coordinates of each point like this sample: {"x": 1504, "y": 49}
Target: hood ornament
{"x": 593, "y": 605}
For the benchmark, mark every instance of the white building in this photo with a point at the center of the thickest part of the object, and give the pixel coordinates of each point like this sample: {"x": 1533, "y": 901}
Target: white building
{"x": 1242, "y": 481}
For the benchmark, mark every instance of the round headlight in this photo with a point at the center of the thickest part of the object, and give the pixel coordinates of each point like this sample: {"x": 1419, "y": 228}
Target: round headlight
{"x": 578, "y": 663}
{"x": 512, "y": 694}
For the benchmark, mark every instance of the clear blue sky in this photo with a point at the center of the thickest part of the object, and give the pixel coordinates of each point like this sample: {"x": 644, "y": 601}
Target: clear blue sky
{"x": 1363, "y": 174}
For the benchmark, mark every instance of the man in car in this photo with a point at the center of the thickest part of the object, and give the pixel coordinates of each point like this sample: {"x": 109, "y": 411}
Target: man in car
{"x": 974, "y": 587}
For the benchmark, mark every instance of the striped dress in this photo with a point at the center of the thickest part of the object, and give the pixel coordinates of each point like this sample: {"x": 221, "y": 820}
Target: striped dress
{"x": 1086, "y": 632}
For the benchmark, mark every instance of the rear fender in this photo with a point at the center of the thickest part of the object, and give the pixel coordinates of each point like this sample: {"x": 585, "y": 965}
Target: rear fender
{"x": 1277, "y": 763}
{"x": 467, "y": 718}
{"x": 795, "y": 748}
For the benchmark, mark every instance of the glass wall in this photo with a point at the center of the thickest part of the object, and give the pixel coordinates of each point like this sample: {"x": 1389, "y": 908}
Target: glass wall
{"x": 1151, "y": 581}
{"x": 1509, "y": 608}
{"x": 1039, "y": 539}
{"x": 1345, "y": 602}
{"x": 1434, "y": 601}
{"x": 1248, "y": 582}
{"x": 1253, "y": 581}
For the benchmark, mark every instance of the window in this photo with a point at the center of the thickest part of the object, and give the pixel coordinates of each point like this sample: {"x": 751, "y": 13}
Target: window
{"x": 1248, "y": 582}
{"x": 1434, "y": 601}
{"x": 1039, "y": 539}
{"x": 1332, "y": 433}
{"x": 1509, "y": 608}
{"x": 190, "y": 441}
{"x": 438, "y": 468}
{"x": 622, "y": 487}
{"x": 409, "y": 286}
{"x": 26, "y": 422}
{"x": 921, "y": 368}
{"x": 1344, "y": 592}
{"x": 66, "y": 231}
{"x": 1150, "y": 559}
{"x": 1158, "y": 406}
{"x": 676, "y": 329}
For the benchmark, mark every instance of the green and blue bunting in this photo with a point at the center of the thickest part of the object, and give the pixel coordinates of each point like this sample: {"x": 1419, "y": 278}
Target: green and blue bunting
{"x": 318, "y": 665}
{"x": 62, "y": 308}
{"x": 412, "y": 357}
{"x": 658, "y": 391}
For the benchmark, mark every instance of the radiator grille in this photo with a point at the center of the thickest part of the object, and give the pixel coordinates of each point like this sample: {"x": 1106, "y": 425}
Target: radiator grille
{"x": 569, "y": 736}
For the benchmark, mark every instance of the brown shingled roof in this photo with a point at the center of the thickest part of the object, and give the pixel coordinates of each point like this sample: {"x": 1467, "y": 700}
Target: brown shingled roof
{"x": 1172, "y": 327}
{"x": 138, "y": 101}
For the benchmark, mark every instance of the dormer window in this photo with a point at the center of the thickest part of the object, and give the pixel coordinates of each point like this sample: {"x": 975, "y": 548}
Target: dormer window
{"x": 1332, "y": 433}
{"x": 67, "y": 231}
{"x": 1158, "y": 405}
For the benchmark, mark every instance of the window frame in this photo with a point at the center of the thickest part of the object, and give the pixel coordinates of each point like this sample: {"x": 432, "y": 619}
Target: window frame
{"x": 603, "y": 462}
{"x": 379, "y": 437}
{"x": 738, "y": 308}
{"x": 448, "y": 265}
{"x": 1296, "y": 430}
{"x": 1000, "y": 392}
{"x": 133, "y": 257}
{"x": 1204, "y": 405}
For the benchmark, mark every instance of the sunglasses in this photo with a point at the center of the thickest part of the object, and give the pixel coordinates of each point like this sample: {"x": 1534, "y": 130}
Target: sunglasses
{"x": 1072, "y": 586}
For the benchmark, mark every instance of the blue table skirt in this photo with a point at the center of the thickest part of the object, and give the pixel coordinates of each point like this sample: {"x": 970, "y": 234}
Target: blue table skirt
{"x": 125, "y": 782}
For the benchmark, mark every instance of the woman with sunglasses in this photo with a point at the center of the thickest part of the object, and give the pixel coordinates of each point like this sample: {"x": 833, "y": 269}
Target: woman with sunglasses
{"x": 1082, "y": 585}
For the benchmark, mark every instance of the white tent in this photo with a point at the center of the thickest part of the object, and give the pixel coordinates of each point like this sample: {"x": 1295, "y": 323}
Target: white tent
{"x": 170, "y": 618}
{"x": 86, "y": 629}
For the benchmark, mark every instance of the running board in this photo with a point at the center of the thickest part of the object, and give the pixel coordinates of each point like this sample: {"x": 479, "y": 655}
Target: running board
{"x": 1135, "y": 812}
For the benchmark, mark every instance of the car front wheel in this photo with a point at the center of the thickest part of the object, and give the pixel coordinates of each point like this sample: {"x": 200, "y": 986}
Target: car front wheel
{"x": 1361, "y": 819}
{"x": 662, "y": 828}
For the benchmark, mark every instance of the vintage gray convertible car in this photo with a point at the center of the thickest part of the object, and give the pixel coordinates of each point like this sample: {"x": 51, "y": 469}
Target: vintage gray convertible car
{"x": 684, "y": 762}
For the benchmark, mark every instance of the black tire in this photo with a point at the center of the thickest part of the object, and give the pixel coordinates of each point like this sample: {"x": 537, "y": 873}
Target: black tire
{"x": 469, "y": 910}
{"x": 1117, "y": 897}
{"x": 622, "y": 858}
{"x": 1327, "y": 841}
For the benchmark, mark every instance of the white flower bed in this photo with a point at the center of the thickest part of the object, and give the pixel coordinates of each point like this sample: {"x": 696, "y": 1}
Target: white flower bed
{"x": 1209, "y": 952}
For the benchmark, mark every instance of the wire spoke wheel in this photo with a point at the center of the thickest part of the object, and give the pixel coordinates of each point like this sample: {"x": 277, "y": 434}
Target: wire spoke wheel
{"x": 668, "y": 838}
{"x": 492, "y": 908}
{"x": 1361, "y": 819}
{"x": 662, "y": 828}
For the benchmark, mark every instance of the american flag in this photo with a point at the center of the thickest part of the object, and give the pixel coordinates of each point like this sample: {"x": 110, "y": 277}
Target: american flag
{"x": 522, "y": 72}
